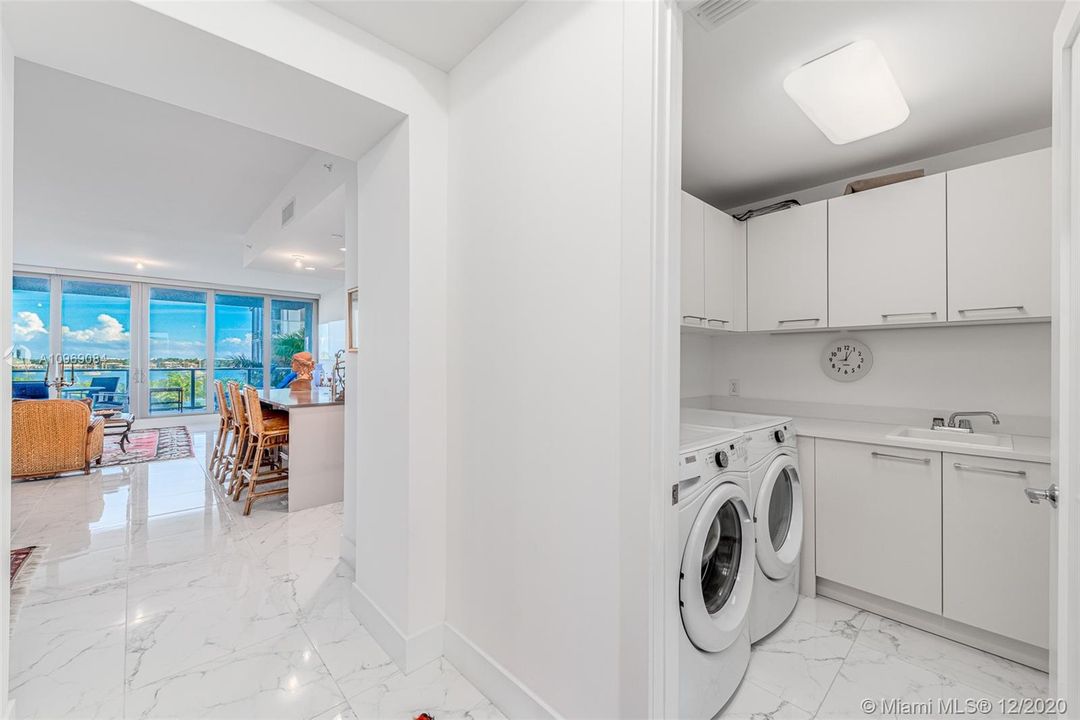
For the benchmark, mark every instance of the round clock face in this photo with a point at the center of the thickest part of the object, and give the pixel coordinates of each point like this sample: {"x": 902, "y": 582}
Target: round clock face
{"x": 846, "y": 360}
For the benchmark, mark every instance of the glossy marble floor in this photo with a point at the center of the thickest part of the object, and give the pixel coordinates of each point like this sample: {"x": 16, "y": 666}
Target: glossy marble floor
{"x": 828, "y": 657}
{"x": 157, "y": 598}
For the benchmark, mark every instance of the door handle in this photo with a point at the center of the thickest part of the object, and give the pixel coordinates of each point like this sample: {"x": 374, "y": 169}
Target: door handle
{"x": 887, "y": 456}
{"x": 885, "y": 316}
{"x": 995, "y": 471}
{"x": 1036, "y": 496}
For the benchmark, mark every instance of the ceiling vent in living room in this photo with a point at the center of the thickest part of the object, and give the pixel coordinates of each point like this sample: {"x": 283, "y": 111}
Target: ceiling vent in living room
{"x": 711, "y": 14}
{"x": 287, "y": 212}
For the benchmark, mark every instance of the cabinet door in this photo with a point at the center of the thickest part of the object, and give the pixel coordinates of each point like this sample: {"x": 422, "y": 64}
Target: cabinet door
{"x": 878, "y": 520}
{"x": 787, "y": 269}
{"x": 999, "y": 238}
{"x": 725, "y": 270}
{"x": 693, "y": 257}
{"x": 996, "y": 547}
{"x": 887, "y": 255}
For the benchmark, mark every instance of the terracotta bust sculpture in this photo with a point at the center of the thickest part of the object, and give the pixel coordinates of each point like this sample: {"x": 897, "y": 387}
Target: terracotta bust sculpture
{"x": 302, "y": 364}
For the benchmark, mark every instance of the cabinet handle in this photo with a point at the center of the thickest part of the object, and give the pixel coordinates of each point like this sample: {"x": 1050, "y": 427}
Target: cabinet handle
{"x": 725, "y": 322}
{"x": 693, "y": 317}
{"x": 996, "y": 471}
{"x": 887, "y": 456}
{"x": 885, "y": 316}
{"x": 795, "y": 320}
{"x": 1017, "y": 308}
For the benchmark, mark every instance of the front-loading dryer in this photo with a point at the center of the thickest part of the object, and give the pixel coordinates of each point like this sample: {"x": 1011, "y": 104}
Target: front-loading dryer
{"x": 716, "y": 572}
{"x": 776, "y": 506}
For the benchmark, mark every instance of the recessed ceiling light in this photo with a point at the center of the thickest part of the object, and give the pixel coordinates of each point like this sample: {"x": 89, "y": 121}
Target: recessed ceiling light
{"x": 850, "y": 94}
{"x": 310, "y": 267}
{"x": 138, "y": 266}
{"x": 341, "y": 249}
{"x": 298, "y": 260}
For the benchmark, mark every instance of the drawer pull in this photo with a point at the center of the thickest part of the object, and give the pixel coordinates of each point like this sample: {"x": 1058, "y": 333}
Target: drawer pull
{"x": 887, "y": 456}
{"x": 798, "y": 320}
{"x": 714, "y": 320}
{"x": 693, "y": 317}
{"x": 995, "y": 471}
{"x": 1017, "y": 308}
{"x": 885, "y": 316}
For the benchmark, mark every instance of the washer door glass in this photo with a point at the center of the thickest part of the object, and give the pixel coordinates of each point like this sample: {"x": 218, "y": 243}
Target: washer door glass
{"x": 721, "y": 557}
{"x": 717, "y": 571}
{"x": 778, "y": 519}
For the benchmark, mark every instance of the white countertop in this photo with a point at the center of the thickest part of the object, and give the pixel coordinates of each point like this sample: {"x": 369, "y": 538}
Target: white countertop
{"x": 1026, "y": 448}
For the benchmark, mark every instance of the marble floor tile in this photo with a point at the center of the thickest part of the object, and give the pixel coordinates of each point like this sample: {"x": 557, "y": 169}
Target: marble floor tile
{"x": 829, "y": 614}
{"x": 352, "y": 656}
{"x": 341, "y": 712}
{"x": 799, "y": 662}
{"x": 57, "y": 578}
{"x": 231, "y": 578}
{"x": 437, "y": 688}
{"x": 100, "y": 607}
{"x": 752, "y": 702}
{"x": 283, "y": 677}
{"x": 990, "y": 673}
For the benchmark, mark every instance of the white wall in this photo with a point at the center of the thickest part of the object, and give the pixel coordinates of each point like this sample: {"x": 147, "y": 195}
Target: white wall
{"x": 1004, "y": 368}
{"x": 545, "y": 583}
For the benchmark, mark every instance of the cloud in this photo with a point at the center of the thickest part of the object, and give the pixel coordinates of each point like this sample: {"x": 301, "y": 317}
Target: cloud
{"x": 108, "y": 330}
{"x": 236, "y": 341}
{"x": 28, "y": 325}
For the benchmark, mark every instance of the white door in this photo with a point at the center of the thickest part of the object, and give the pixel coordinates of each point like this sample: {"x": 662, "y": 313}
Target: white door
{"x": 778, "y": 519}
{"x": 693, "y": 256}
{"x": 717, "y": 571}
{"x": 787, "y": 266}
{"x": 1065, "y": 365}
{"x": 887, "y": 255}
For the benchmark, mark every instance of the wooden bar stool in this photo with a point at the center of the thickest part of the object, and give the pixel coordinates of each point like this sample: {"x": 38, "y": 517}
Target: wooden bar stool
{"x": 268, "y": 431}
{"x": 217, "y": 458}
{"x": 234, "y": 457}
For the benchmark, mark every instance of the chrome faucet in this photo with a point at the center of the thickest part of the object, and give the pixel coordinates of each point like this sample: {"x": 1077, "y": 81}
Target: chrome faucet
{"x": 965, "y": 424}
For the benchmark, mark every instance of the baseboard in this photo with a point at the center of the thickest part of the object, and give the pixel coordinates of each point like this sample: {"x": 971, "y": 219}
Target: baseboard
{"x": 408, "y": 652}
{"x": 509, "y": 694}
{"x": 1015, "y": 650}
{"x": 348, "y": 553}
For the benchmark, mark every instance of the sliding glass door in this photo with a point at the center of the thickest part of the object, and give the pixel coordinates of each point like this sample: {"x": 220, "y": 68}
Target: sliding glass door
{"x": 238, "y": 338}
{"x": 148, "y": 348}
{"x": 177, "y": 351}
{"x": 95, "y": 341}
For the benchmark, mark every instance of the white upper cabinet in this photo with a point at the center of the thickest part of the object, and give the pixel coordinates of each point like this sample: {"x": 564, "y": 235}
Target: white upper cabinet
{"x": 887, "y": 255}
{"x": 788, "y": 269}
{"x": 724, "y": 271}
{"x": 999, "y": 238}
{"x": 693, "y": 253}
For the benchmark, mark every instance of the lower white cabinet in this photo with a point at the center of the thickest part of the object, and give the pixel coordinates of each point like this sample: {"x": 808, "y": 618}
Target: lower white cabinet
{"x": 878, "y": 520}
{"x": 996, "y": 547}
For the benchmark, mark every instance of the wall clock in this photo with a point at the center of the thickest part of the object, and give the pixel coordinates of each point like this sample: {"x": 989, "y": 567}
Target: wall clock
{"x": 846, "y": 360}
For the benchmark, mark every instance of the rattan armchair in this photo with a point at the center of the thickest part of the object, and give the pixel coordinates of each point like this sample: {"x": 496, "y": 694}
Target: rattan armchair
{"x": 49, "y": 437}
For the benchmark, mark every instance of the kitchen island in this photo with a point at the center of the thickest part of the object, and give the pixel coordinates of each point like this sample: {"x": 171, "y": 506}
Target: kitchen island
{"x": 316, "y": 444}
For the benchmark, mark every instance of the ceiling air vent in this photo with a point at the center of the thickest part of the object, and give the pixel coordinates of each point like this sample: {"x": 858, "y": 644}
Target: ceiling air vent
{"x": 711, "y": 14}
{"x": 287, "y": 212}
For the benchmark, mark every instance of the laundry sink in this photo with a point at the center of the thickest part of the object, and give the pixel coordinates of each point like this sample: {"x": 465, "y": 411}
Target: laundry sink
{"x": 949, "y": 436}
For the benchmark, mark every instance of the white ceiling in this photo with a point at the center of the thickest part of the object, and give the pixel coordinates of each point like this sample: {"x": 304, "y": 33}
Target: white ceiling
{"x": 310, "y": 235}
{"x": 439, "y": 32}
{"x": 971, "y": 72}
{"x": 104, "y": 177}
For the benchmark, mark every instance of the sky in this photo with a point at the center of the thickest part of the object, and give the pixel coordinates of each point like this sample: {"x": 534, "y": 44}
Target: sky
{"x": 99, "y": 324}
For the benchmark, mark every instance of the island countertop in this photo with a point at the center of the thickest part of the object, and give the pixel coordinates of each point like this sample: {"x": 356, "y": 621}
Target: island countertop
{"x": 286, "y": 399}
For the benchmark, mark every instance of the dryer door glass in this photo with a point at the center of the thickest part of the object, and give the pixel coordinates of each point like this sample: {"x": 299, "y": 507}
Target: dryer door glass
{"x": 720, "y": 559}
{"x": 780, "y": 506}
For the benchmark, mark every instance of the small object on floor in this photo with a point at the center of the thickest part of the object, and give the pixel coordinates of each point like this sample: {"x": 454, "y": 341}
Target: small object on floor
{"x": 424, "y": 716}
{"x": 24, "y": 561}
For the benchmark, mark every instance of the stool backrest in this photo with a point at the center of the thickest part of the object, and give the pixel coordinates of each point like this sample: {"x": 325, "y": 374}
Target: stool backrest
{"x": 223, "y": 407}
{"x": 254, "y": 410}
{"x": 238, "y": 415}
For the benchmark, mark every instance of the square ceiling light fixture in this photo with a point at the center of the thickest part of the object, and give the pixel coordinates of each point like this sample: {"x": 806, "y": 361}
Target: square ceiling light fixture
{"x": 850, "y": 94}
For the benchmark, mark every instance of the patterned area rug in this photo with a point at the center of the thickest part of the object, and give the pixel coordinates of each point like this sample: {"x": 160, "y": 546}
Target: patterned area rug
{"x": 24, "y": 561}
{"x": 167, "y": 443}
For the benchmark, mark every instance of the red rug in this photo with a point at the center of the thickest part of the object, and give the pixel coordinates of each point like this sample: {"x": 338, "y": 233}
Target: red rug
{"x": 168, "y": 443}
{"x": 19, "y": 556}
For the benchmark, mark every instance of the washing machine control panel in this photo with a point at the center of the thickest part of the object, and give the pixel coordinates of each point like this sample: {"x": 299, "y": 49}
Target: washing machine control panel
{"x": 729, "y": 455}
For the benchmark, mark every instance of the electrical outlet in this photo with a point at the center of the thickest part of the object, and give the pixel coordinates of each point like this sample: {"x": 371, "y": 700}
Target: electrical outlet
{"x": 733, "y": 388}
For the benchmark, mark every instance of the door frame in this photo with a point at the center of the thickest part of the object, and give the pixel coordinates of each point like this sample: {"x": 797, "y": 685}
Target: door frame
{"x": 1065, "y": 375}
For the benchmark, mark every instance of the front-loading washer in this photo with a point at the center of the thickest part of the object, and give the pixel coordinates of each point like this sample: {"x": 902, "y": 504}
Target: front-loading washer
{"x": 776, "y": 506}
{"x": 716, "y": 571}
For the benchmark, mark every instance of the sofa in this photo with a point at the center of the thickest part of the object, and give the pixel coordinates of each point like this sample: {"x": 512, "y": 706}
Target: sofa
{"x": 49, "y": 437}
